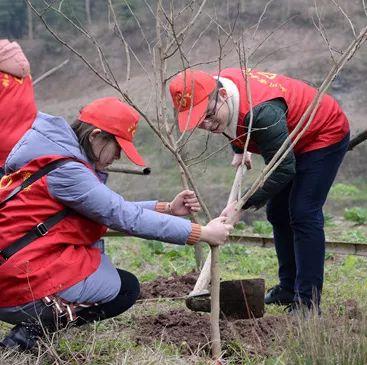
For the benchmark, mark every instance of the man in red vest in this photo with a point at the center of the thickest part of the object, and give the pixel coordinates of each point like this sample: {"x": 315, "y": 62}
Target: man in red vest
{"x": 296, "y": 191}
{"x": 17, "y": 105}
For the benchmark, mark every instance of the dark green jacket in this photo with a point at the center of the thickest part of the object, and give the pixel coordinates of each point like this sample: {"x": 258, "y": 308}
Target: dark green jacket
{"x": 270, "y": 130}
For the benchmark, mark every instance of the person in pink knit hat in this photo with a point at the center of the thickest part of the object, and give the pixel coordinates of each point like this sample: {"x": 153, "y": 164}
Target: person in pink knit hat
{"x": 12, "y": 59}
{"x": 17, "y": 105}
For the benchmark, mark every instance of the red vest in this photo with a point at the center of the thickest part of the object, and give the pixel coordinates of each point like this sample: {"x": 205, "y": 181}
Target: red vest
{"x": 17, "y": 111}
{"x": 51, "y": 263}
{"x": 329, "y": 125}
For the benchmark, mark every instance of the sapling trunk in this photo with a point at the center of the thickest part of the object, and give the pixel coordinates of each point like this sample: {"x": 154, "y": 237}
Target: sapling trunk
{"x": 215, "y": 278}
{"x": 214, "y": 303}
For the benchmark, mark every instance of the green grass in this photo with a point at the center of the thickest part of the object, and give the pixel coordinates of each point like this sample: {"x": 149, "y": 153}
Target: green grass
{"x": 329, "y": 220}
{"x": 342, "y": 191}
{"x": 356, "y": 214}
{"x": 149, "y": 259}
{"x": 354, "y": 235}
{"x": 115, "y": 341}
{"x": 262, "y": 227}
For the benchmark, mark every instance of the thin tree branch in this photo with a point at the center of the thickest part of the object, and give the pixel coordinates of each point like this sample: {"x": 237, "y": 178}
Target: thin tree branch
{"x": 307, "y": 116}
{"x": 188, "y": 26}
{"x": 49, "y": 72}
{"x": 57, "y": 37}
{"x": 261, "y": 17}
{"x": 124, "y": 42}
{"x": 346, "y": 17}
{"x": 320, "y": 27}
{"x": 139, "y": 25}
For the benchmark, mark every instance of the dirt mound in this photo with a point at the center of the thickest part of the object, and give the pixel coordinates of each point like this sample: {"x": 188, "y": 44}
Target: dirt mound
{"x": 190, "y": 331}
{"x": 172, "y": 287}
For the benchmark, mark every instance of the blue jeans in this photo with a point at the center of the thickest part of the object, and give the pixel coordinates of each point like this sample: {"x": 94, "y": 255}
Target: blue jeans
{"x": 298, "y": 222}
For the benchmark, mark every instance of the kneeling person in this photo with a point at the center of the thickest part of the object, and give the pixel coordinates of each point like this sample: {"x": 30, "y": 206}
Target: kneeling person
{"x": 54, "y": 210}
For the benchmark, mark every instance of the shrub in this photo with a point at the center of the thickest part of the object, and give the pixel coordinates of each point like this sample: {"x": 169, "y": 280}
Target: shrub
{"x": 356, "y": 214}
{"x": 240, "y": 226}
{"x": 343, "y": 191}
{"x": 262, "y": 227}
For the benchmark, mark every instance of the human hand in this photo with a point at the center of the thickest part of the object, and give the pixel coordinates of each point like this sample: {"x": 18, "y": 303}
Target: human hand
{"x": 237, "y": 160}
{"x": 230, "y": 211}
{"x": 184, "y": 203}
{"x": 216, "y": 231}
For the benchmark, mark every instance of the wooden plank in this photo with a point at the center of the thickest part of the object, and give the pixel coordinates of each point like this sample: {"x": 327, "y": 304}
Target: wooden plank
{"x": 338, "y": 247}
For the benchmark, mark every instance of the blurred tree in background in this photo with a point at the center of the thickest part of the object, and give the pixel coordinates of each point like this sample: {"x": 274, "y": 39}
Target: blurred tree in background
{"x": 13, "y": 18}
{"x": 16, "y": 21}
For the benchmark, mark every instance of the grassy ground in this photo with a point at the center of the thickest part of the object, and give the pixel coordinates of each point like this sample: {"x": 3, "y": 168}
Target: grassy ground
{"x": 115, "y": 341}
{"x": 313, "y": 342}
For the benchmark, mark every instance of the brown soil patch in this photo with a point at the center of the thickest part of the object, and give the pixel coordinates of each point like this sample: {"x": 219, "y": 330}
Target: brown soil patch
{"x": 172, "y": 287}
{"x": 352, "y": 309}
{"x": 191, "y": 331}
{"x": 349, "y": 309}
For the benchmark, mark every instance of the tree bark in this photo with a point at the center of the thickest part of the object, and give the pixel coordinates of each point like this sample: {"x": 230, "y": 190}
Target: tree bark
{"x": 215, "y": 306}
{"x": 203, "y": 280}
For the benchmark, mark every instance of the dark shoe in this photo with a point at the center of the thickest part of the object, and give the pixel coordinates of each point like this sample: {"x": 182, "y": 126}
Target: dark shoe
{"x": 24, "y": 336}
{"x": 303, "y": 311}
{"x": 279, "y": 296}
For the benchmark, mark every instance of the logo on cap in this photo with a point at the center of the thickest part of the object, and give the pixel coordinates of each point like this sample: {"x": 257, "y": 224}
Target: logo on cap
{"x": 190, "y": 91}
{"x": 132, "y": 130}
{"x": 183, "y": 101}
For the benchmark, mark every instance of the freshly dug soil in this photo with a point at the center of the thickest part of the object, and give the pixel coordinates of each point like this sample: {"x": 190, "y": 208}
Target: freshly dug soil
{"x": 191, "y": 331}
{"x": 240, "y": 299}
{"x": 172, "y": 287}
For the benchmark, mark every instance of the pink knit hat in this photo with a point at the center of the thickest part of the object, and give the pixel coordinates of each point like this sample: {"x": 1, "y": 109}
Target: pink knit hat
{"x": 12, "y": 59}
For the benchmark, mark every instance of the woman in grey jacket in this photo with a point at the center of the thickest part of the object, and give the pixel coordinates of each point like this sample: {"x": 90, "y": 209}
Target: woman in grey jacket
{"x": 67, "y": 278}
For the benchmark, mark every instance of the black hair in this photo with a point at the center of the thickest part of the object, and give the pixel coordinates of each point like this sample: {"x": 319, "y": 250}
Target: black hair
{"x": 83, "y": 131}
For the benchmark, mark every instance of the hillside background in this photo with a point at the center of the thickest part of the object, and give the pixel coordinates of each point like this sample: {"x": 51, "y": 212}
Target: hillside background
{"x": 290, "y": 44}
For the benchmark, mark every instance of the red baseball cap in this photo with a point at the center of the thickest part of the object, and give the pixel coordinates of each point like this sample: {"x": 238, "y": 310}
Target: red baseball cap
{"x": 120, "y": 119}
{"x": 190, "y": 91}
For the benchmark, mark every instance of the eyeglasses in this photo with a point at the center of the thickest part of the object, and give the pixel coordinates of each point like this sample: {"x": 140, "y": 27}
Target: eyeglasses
{"x": 210, "y": 114}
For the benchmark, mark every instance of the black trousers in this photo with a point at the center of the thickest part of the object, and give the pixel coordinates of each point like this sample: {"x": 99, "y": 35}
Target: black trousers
{"x": 125, "y": 299}
{"x": 298, "y": 221}
{"x": 38, "y": 311}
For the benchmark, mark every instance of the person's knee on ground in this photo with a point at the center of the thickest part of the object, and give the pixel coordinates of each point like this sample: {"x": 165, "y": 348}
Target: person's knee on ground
{"x": 25, "y": 334}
